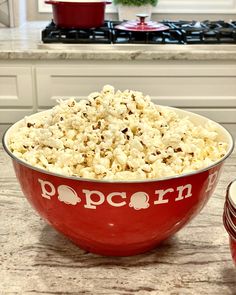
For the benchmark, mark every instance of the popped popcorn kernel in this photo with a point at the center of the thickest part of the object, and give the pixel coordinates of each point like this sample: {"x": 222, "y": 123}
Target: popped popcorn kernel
{"x": 115, "y": 135}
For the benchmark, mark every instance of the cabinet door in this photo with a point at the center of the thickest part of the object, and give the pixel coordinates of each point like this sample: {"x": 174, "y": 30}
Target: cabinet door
{"x": 16, "y": 89}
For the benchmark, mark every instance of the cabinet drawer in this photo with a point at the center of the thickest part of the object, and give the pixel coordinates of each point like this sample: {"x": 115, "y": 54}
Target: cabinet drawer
{"x": 16, "y": 87}
{"x": 179, "y": 88}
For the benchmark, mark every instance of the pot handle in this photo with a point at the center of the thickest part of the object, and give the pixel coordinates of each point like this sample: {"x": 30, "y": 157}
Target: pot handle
{"x": 108, "y": 2}
{"x": 142, "y": 17}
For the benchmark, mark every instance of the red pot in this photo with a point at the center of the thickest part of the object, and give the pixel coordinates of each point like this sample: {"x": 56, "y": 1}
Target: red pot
{"x": 118, "y": 217}
{"x": 229, "y": 217}
{"x": 79, "y": 14}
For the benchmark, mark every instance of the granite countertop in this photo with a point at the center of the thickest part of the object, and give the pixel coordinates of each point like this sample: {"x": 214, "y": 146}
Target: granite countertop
{"x": 24, "y": 43}
{"x": 35, "y": 259}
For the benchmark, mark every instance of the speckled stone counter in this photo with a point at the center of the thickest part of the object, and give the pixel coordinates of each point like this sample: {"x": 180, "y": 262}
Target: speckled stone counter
{"x": 35, "y": 259}
{"x": 24, "y": 43}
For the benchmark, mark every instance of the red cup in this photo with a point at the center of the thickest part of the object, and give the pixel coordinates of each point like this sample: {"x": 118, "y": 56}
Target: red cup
{"x": 232, "y": 243}
{"x": 118, "y": 218}
{"x": 229, "y": 217}
{"x": 231, "y": 212}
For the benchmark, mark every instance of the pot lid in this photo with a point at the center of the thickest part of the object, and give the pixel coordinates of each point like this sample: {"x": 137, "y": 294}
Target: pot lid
{"x": 142, "y": 26}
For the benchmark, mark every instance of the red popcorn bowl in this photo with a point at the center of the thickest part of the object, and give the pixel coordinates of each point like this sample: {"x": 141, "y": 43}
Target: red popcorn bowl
{"x": 118, "y": 218}
{"x": 231, "y": 212}
{"x": 229, "y": 217}
{"x": 232, "y": 243}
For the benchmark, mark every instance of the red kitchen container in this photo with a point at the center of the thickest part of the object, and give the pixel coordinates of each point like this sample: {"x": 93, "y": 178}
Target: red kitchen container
{"x": 118, "y": 218}
{"x": 229, "y": 217}
{"x": 79, "y": 14}
{"x": 232, "y": 244}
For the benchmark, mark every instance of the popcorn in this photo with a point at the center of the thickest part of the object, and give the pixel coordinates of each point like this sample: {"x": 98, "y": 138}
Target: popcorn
{"x": 116, "y": 136}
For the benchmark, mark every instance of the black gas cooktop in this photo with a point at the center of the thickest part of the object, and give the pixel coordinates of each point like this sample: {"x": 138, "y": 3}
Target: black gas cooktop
{"x": 180, "y": 32}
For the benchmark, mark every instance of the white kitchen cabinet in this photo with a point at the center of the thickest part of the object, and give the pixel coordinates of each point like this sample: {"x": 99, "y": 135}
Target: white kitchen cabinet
{"x": 176, "y": 85}
{"x": 205, "y": 88}
{"x": 16, "y": 87}
{"x": 16, "y": 92}
{"x": 209, "y": 90}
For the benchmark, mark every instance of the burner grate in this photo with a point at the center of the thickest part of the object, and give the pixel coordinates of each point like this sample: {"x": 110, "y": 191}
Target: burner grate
{"x": 180, "y": 32}
{"x": 53, "y": 34}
